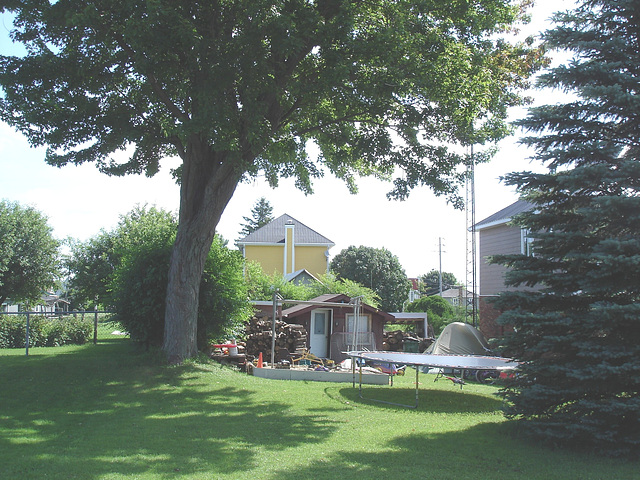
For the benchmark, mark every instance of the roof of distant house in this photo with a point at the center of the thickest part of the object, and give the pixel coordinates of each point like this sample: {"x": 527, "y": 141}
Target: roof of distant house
{"x": 454, "y": 292}
{"x": 505, "y": 215}
{"x": 274, "y": 231}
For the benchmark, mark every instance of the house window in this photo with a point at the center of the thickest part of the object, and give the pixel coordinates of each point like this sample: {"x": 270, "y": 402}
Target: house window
{"x": 526, "y": 242}
{"x": 364, "y": 323}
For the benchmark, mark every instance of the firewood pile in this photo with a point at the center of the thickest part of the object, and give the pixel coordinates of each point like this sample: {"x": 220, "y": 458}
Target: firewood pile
{"x": 398, "y": 341}
{"x": 289, "y": 336}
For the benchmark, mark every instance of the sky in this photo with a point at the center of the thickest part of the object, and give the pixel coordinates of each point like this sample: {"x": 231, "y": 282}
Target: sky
{"x": 424, "y": 232}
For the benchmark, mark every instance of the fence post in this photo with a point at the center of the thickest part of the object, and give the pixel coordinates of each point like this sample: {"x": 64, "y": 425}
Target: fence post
{"x": 26, "y": 343}
{"x": 95, "y": 327}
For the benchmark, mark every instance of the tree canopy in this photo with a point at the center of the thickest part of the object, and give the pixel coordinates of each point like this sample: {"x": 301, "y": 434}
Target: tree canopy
{"x": 29, "y": 257}
{"x": 578, "y": 331}
{"x": 238, "y": 89}
{"x": 431, "y": 281}
{"x": 262, "y": 285}
{"x": 377, "y": 269}
{"x": 439, "y": 312}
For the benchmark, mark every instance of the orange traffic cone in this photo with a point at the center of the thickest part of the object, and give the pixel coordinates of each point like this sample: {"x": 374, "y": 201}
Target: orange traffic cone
{"x": 260, "y": 360}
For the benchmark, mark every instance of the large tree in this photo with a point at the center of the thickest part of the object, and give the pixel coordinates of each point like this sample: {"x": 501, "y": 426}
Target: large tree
{"x": 578, "y": 332}
{"x": 239, "y": 88}
{"x": 377, "y": 269}
{"x": 431, "y": 281}
{"x": 28, "y": 254}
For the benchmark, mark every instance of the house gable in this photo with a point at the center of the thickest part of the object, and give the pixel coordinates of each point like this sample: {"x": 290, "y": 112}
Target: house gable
{"x": 285, "y": 246}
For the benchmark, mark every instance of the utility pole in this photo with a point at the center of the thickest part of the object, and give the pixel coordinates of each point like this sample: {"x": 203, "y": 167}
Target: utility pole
{"x": 440, "y": 266}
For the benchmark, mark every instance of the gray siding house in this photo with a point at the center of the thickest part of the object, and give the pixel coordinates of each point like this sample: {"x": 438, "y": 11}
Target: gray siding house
{"x": 497, "y": 236}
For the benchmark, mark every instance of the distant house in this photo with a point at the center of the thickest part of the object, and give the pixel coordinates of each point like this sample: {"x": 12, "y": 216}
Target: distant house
{"x": 333, "y": 328}
{"x": 414, "y": 292}
{"x": 457, "y": 296}
{"x": 288, "y": 247}
{"x": 49, "y": 303}
{"x": 498, "y": 236}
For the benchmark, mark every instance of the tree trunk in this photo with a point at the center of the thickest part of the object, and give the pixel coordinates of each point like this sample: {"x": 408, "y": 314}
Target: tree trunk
{"x": 208, "y": 183}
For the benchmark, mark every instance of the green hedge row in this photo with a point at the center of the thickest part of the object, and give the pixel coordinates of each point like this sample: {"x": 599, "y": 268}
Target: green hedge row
{"x": 43, "y": 331}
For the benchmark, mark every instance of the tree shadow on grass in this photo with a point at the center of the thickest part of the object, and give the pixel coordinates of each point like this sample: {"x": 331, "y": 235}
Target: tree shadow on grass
{"x": 429, "y": 400}
{"x": 484, "y": 451}
{"x": 92, "y": 415}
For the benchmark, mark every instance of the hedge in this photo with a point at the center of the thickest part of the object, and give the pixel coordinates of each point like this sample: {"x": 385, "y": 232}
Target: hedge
{"x": 43, "y": 331}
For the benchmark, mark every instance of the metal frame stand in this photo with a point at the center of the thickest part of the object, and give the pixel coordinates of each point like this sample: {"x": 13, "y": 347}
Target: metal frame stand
{"x": 384, "y": 401}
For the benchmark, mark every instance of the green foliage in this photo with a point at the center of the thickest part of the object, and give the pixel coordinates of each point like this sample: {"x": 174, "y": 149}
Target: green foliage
{"x": 28, "y": 254}
{"x": 330, "y": 283}
{"x": 91, "y": 265}
{"x": 261, "y": 214}
{"x": 143, "y": 244}
{"x": 243, "y": 89}
{"x": 578, "y": 331}
{"x": 139, "y": 288}
{"x": 377, "y": 269}
{"x": 261, "y": 287}
{"x": 431, "y": 281}
{"x": 223, "y": 305}
{"x": 440, "y": 313}
{"x": 344, "y": 73}
{"x": 43, "y": 332}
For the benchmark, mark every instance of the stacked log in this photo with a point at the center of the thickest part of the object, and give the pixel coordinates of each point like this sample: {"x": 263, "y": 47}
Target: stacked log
{"x": 397, "y": 340}
{"x": 289, "y": 336}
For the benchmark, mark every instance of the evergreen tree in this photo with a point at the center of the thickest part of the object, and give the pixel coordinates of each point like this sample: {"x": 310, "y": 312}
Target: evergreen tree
{"x": 578, "y": 331}
{"x": 261, "y": 214}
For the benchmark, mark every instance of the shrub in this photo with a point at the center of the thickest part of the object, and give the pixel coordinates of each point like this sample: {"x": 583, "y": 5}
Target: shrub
{"x": 43, "y": 332}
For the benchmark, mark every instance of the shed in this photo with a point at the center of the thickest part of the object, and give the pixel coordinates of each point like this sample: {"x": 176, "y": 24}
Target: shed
{"x": 333, "y": 327}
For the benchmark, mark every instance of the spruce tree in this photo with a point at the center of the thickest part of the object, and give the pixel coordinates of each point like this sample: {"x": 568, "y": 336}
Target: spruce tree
{"x": 577, "y": 330}
{"x": 261, "y": 214}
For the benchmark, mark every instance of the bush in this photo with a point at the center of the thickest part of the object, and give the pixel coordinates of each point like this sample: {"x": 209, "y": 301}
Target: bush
{"x": 43, "y": 332}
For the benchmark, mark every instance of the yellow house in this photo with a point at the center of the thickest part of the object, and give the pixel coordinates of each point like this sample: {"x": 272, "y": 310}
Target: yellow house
{"x": 287, "y": 246}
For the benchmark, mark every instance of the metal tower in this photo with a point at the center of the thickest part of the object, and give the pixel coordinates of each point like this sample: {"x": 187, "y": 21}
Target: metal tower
{"x": 471, "y": 275}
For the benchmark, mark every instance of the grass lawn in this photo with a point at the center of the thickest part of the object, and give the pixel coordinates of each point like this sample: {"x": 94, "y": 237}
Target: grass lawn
{"x": 107, "y": 411}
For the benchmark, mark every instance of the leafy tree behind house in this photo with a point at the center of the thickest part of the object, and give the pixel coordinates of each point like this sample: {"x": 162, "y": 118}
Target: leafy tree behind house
{"x": 431, "y": 281}
{"x": 261, "y": 214}
{"x": 29, "y": 258}
{"x": 240, "y": 89}
{"x": 262, "y": 285}
{"x": 377, "y": 269}
{"x": 439, "y": 312}
{"x": 578, "y": 332}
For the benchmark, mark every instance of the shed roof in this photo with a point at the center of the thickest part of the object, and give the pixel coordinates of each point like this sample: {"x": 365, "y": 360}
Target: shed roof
{"x": 505, "y": 215}
{"x": 274, "y": 231}
{"x": 331, "y": 298}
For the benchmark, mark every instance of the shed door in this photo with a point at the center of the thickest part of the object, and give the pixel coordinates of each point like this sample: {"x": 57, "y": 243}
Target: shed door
{"x": 319, "y": 335}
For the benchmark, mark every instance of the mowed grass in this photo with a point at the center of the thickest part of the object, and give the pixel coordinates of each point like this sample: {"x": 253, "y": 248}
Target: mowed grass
{"x": 108, "y": 411}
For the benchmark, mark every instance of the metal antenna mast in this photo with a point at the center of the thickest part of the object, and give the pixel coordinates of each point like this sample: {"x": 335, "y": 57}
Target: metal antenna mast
{"x": 470, "y": 208}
